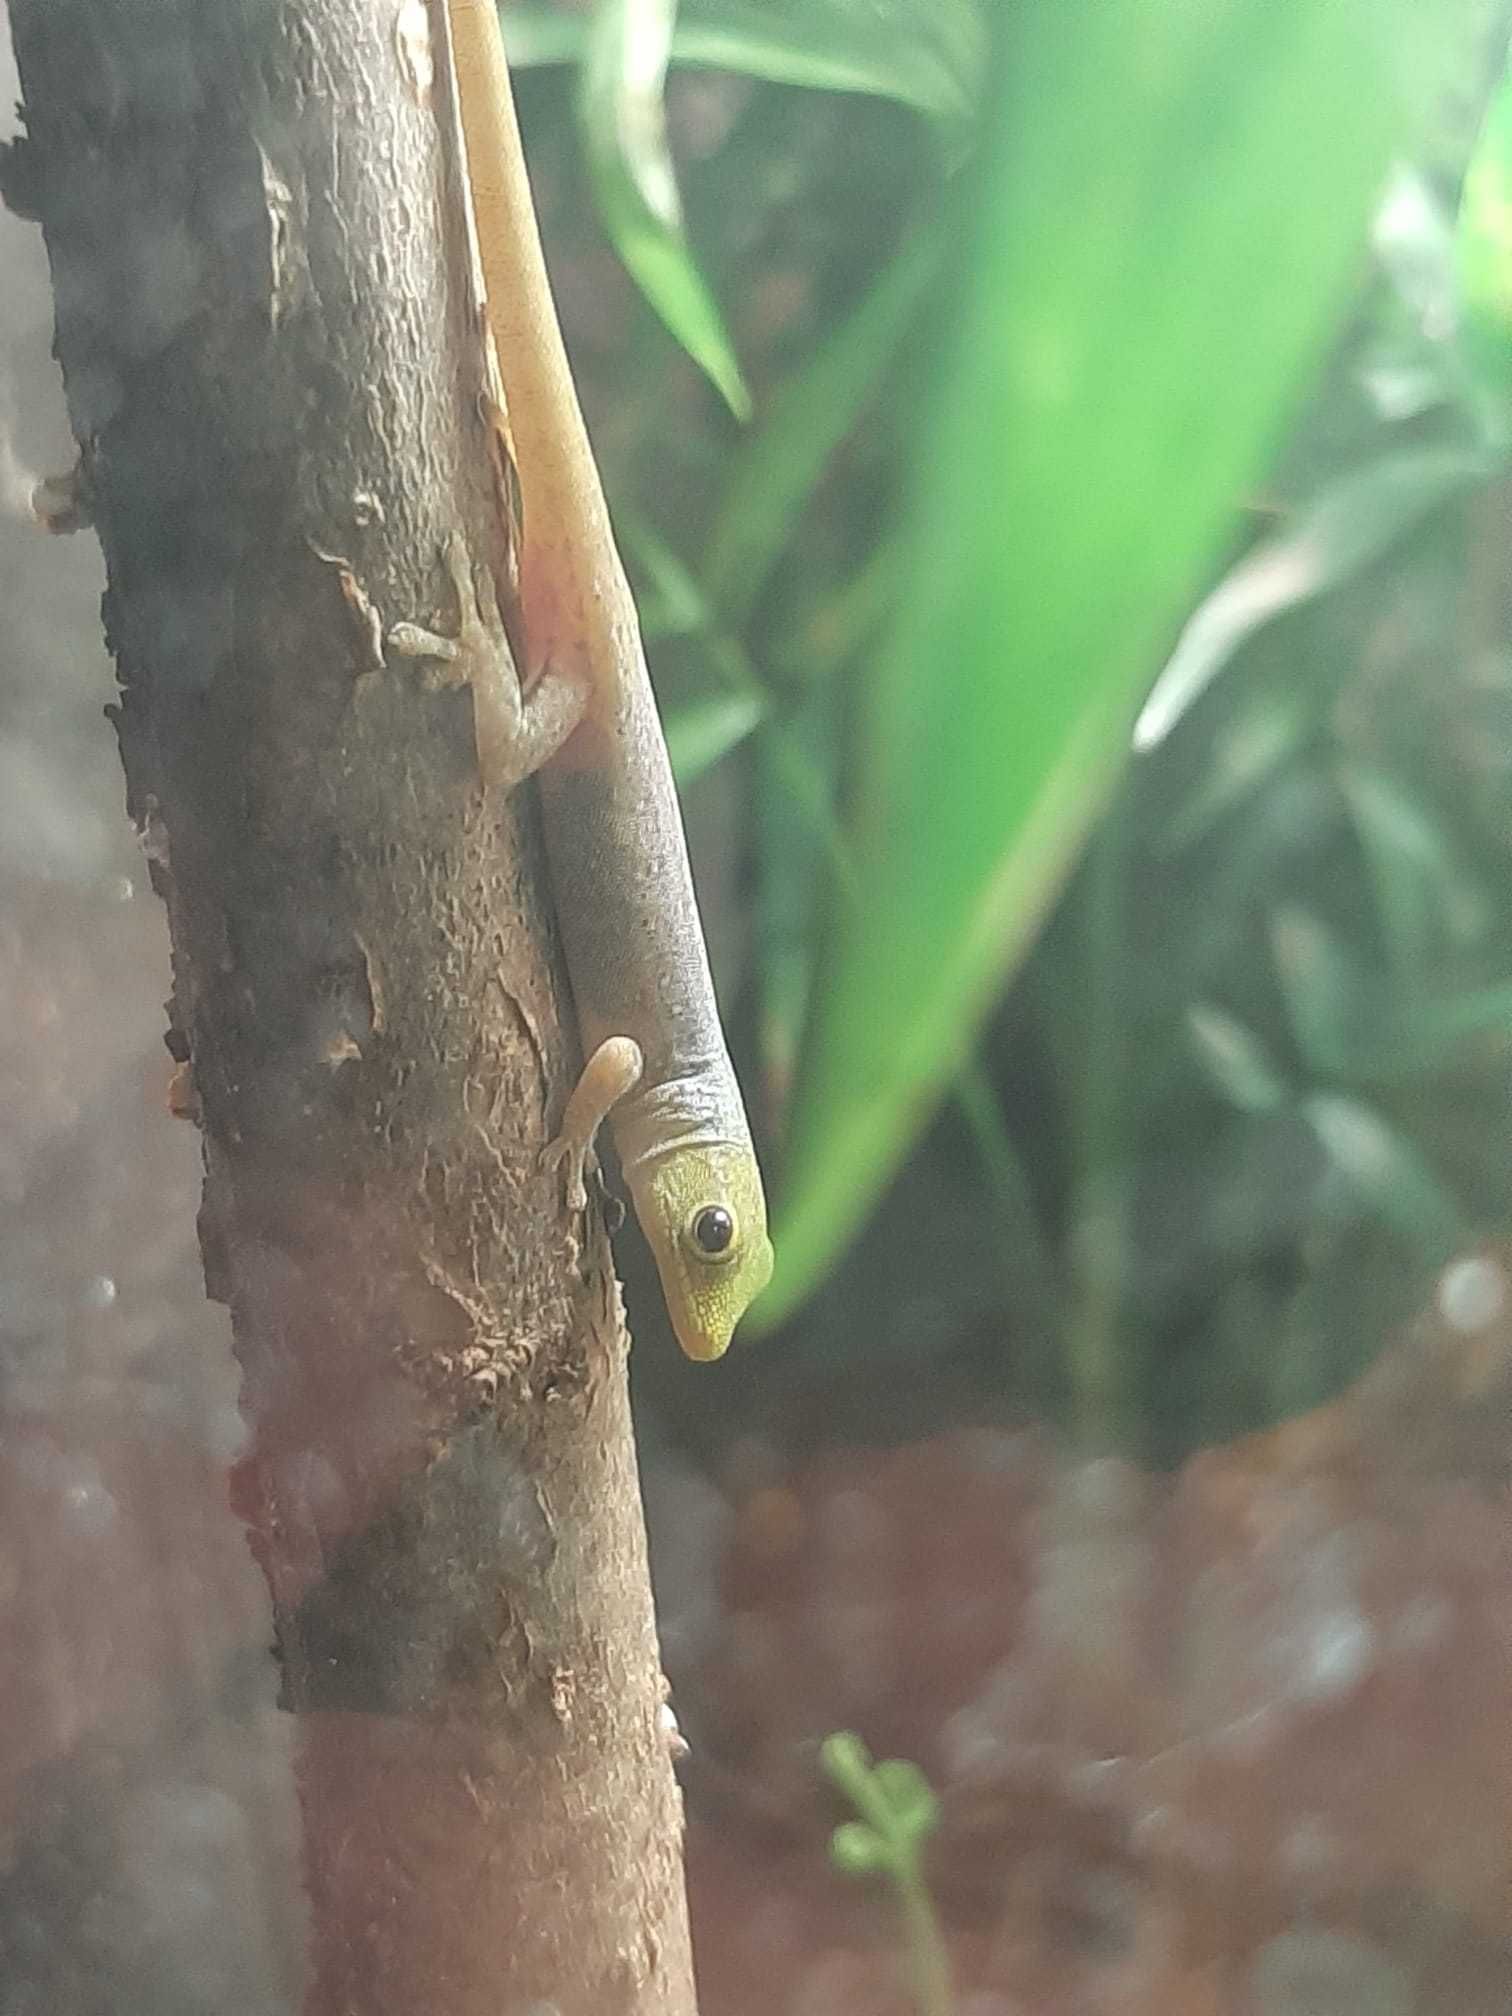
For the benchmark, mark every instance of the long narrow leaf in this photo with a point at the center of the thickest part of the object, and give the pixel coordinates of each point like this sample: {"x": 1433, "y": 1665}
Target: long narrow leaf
{"x": 1390, "y": 1177}
{"x": 1483, "y": 242}
{"x": 704, "y": 729}
{"x": 625, "y": 134}
{"x": 781, "y": 461}
{"x": 926, "y": 54}
{"x": 1355, "y": 521}
{"x": 1173, "y": 204}
{"x": 1429, "y": 900}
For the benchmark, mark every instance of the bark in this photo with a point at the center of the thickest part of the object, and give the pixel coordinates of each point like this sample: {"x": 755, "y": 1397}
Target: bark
{"x": 267, "y": 353}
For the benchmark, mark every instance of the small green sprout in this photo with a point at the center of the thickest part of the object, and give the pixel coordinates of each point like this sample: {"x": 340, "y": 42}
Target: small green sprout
{"x": 898, "y": 1812}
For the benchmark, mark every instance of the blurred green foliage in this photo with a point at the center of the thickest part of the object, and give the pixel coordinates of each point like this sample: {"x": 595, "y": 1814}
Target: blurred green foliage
{"x": 1024, "y": 308}
{"x": 624, "y": 70}
{"x": 898, "y": 1812}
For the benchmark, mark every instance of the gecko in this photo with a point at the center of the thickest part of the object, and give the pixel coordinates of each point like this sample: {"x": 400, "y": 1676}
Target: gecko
{"x": 578, "y": 714}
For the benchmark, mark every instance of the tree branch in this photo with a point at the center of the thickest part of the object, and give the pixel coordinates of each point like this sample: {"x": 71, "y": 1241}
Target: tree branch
{"x": 270, "y": 368}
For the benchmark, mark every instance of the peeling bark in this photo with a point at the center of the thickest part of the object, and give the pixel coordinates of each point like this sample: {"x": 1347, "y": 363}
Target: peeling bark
{"x": 270, "y": 367}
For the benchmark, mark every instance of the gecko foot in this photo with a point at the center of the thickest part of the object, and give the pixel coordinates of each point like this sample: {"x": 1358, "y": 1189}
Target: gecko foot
{"x": 442, "y": 656}
{"x": 578, "y": 1160}
{"x": 613, "y": 1070}
{"x": 516, "y": 732}
{"x": 613, "y": 1205}
{"x": 448, "y": 661}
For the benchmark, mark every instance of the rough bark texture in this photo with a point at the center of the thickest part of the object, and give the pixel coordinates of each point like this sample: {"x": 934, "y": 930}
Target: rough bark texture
{"x": 267, "y": 355}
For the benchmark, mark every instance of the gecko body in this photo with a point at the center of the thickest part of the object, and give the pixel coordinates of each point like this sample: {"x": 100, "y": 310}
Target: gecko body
{"x": 580, "y": 715}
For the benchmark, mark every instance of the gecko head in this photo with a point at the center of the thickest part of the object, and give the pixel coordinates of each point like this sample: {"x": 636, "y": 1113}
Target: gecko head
{"x": 704, "y": 1214}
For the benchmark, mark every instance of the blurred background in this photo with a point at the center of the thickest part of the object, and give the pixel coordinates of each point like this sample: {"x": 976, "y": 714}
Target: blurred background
{"x": 1066, "y": 471}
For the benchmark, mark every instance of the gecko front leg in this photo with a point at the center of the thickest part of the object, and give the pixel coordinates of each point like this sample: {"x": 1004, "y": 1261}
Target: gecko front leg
{"x": 515, "y": 731}
{"x": 613, "y": 1070}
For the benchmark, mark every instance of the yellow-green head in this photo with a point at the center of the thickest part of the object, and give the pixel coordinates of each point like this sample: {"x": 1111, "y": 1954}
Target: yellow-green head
{"x": 704, "y": 1213}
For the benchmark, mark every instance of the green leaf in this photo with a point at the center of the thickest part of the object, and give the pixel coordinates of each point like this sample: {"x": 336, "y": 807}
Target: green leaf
{"x": 799, "y": 854}
{"x": 702, "y": 730}
{"x": 1415, "y": 243}
{"x": 668, "y": 597}
{"x": 1427, "y": 899}
{"x": 1171, "y": 210}
{"x": 1484, "y": 245}
{"x": 926, "y": 54}
{"x": 856, "y": 1851}
{"x": 1355, "y": 521}
{"x": 1415, "y": 358}
{"x": 1031, "y": 1279}
{"x": 1415, "y": 1036}
{"x": 1472, "y": 1015}
{"x": 1235, "y": 1059}
{"x": 893, "y": 1797}
{"x": 1386, "y": 1173}
{"x": 778, "y": 466}
{"x": 1264, "y": 732}
{"x": 846, "y": 1762}
{"x": 909, "y": 1796}
{"x": 1350, "y": 1025}
{"x": 624, "y": 130}
{"x": 848, "y": 614}
{"x": 1322, "y": 987}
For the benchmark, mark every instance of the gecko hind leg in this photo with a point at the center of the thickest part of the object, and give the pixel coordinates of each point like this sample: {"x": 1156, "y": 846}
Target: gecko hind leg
{"x": 516, "y": 732}
{"x": 613, "y": 1070}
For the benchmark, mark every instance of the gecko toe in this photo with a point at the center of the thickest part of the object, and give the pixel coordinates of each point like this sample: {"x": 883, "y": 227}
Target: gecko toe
{"x": 612, "y": 1207}
{"x": 563, "y": 1152}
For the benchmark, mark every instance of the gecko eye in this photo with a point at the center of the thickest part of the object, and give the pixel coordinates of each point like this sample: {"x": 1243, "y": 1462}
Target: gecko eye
{"x": 713, "y": 1231}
